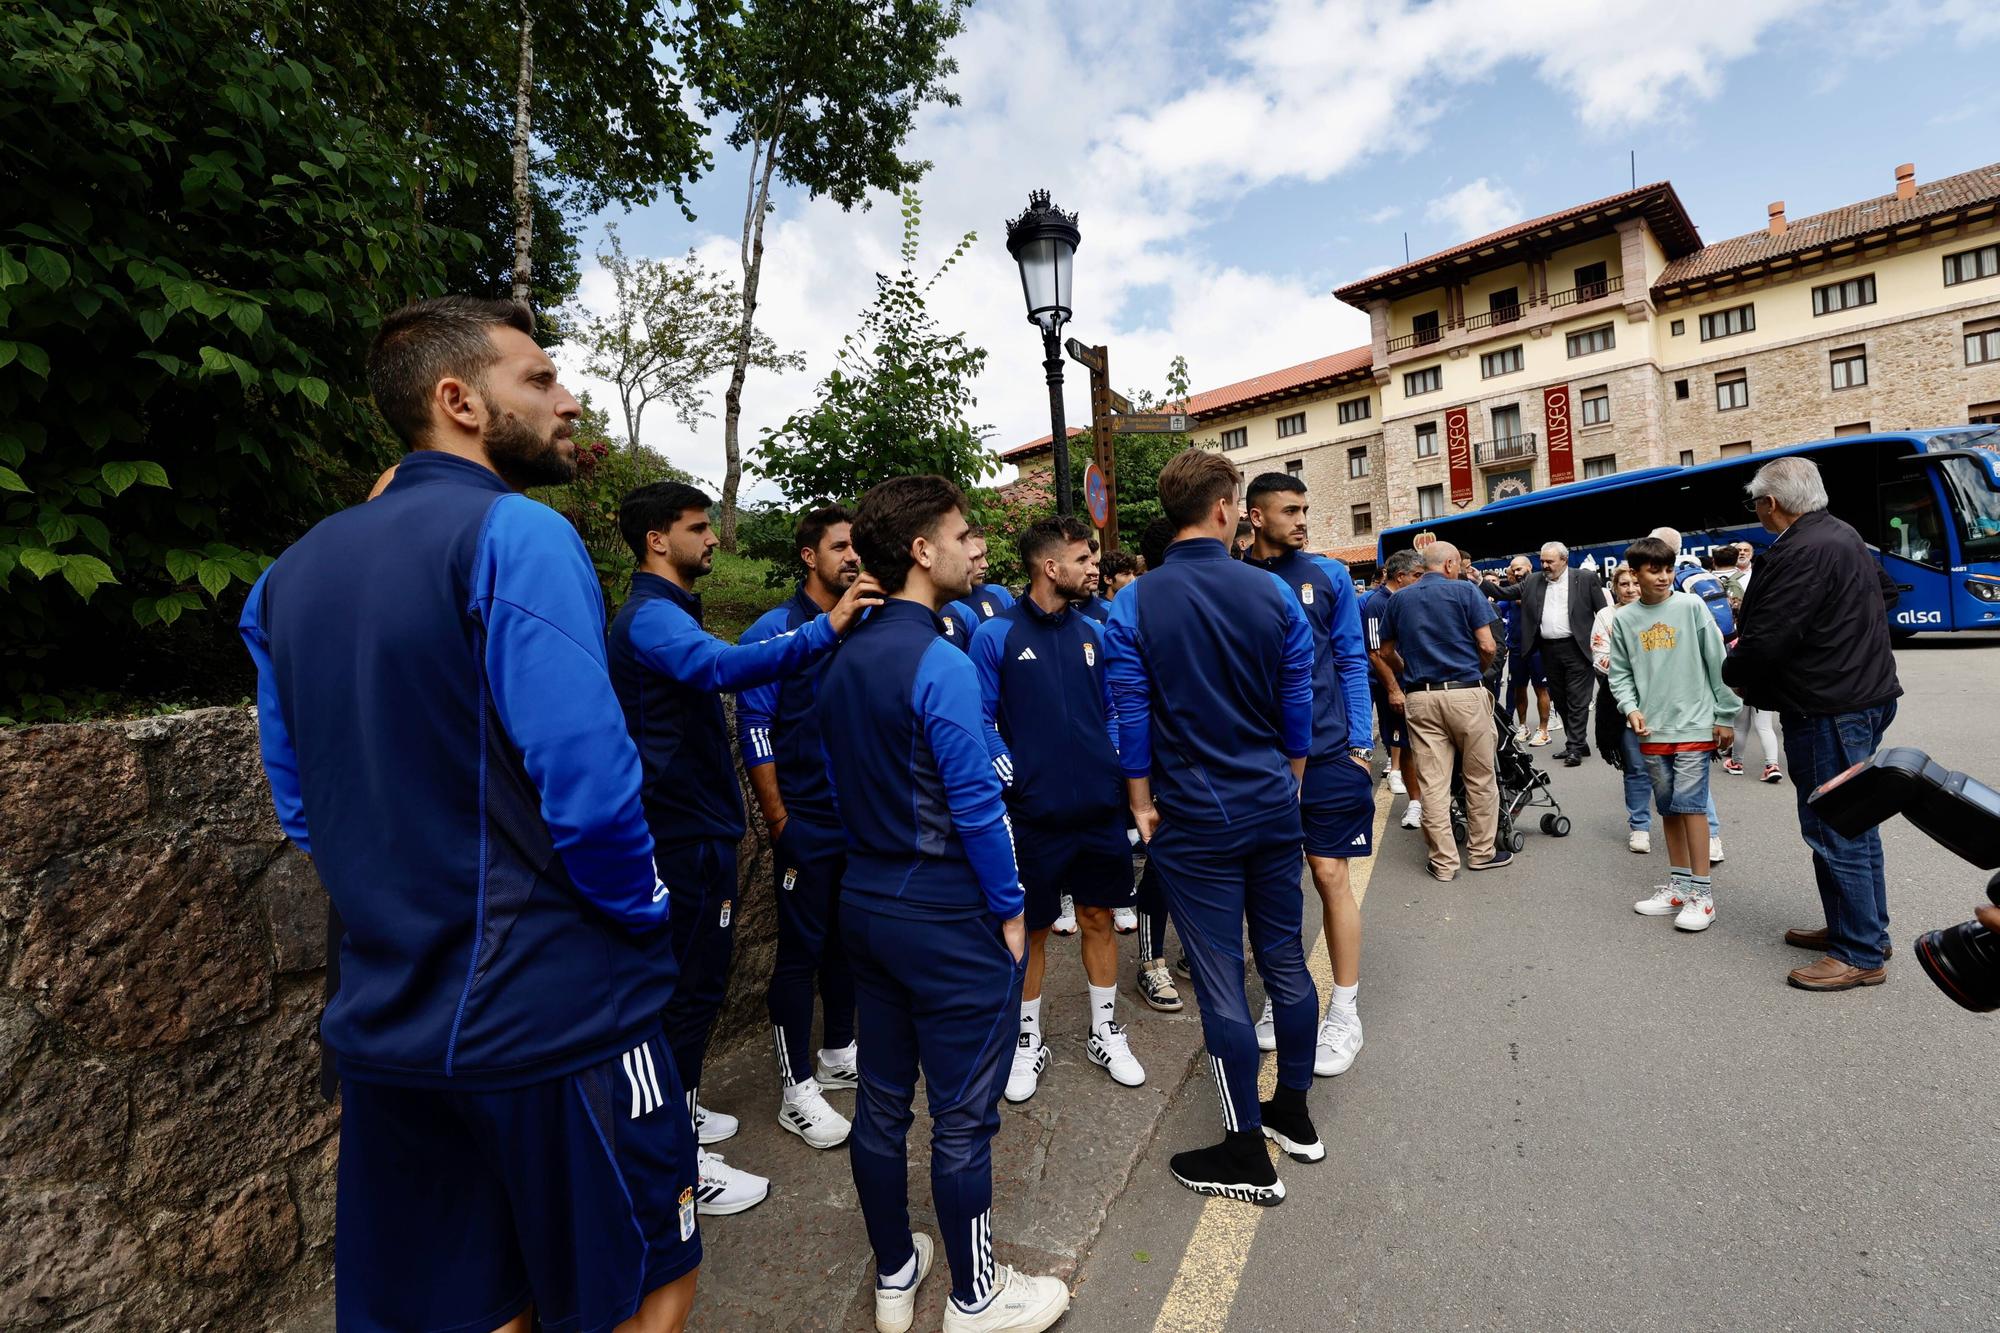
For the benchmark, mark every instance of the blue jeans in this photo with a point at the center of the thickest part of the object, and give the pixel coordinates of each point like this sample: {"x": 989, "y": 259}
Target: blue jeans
{"x": 1639, "y": 791}
{"x": 1852, "y": 890}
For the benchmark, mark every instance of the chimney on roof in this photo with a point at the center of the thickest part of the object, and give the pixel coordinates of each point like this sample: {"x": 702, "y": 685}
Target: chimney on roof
{"x": 1906, "y": 181}
{"x": 1777, "y": 212}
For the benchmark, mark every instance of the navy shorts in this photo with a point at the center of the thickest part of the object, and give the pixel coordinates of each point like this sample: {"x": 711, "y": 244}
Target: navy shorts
{"x": 1525, "y": 669}
{"x": 1393, "y": 726}
{"x": 457, "y": 1210}
{"x": 1338, "y": 804}
{"x": 1092, "y": 864}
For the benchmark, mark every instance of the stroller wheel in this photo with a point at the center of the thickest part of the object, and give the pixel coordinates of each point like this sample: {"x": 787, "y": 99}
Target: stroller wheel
{"x": 1557, "y": 825}
{"x": 1549, "y": 825}
{"x": 1517, "y": 841}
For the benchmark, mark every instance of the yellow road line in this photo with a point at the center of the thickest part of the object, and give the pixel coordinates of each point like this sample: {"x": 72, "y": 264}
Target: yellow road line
{"x": 1212, "y": 1266}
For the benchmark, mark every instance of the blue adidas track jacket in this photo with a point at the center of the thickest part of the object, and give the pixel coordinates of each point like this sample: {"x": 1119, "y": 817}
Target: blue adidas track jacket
{"x": 777, "y": 722}
{"x": 669, "y": 672}
{"x": 1211, "y": 665}
{"x": 963, "y": 618}
{"x": 1047, "y": 700}
{"x": 1340, "y": 656}
{"x": 927, "y": 832}
{"x": 441, "y": 736}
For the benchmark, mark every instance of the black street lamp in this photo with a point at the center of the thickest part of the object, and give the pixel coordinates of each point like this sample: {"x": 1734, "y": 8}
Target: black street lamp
{"x": 1043, "y": 241}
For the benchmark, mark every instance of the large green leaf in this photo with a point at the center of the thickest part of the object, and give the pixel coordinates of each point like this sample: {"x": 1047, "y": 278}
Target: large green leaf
{"x": 119, "y": 475}
{"x": 10, "y": 480}
{"x": 40, "y": 561}
{"x": 212, "y": 575}
{"x": 86, "y": 573}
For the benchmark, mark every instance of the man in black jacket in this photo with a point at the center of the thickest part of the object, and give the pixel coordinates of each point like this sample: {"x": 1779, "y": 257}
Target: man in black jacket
{"x": 1557, "y": 606}
{"x": 1813, "y": 645}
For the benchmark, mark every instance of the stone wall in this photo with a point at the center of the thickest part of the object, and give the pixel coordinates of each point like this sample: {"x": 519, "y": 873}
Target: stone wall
{"x": 165, "y": 1158}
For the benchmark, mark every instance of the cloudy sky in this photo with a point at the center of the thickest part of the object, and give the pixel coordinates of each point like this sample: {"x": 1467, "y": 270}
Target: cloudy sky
{"x": 1233, "y": 163}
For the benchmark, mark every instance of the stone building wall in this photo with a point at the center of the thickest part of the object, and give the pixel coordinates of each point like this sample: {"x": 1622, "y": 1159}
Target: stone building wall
{"x": 165, "y": 1158}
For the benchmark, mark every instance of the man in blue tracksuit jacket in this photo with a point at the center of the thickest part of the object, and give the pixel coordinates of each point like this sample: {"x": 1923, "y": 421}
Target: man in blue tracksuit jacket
{"x": 441, "y": 737}
{"x": 778, "y": 736}
{"x": 1338, "y": 798}
{"x": 1047, "y": 704}
{"x": 669, "y": 672}
{"x": 1211, "y": 673}
{"x": 930, "y": 911}
{"x": 964, "y": 616}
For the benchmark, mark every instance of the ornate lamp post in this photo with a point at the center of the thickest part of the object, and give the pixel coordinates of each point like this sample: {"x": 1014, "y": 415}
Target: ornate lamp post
{"x": 1043, "y": 241}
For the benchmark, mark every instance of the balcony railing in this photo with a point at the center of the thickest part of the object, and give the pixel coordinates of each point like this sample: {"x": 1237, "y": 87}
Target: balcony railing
{"x": 1506, "y": 449}
{"x": 1590, "y": 291}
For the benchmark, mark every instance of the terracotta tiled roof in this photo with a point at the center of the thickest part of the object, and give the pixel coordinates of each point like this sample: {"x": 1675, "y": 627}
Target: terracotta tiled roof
{"x": 1662, "y": 207}
{"x": 1278, "y": 381}
{"x": 1952, "y": 193}
{"x": 1353, "y": 555}
{"x": 1038, "y": 445}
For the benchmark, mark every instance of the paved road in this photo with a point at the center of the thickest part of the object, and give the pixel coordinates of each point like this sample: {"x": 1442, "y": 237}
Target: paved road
{"x": 1571, "y": 1116}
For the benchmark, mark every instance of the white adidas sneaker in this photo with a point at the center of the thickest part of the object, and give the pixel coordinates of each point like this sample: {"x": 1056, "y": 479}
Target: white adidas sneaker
{"x": 834, "y": 1070}
{"x": 724, "y": 1189}
{"x": 1267, "y": 1030}
{"x": 1020, "y": 1304}
{"x": 1125, "y": 920}
{"x": 1030, "y": 1059}
{"x": 804, "y": 1111}
{"x": 1065, "y": 922}
{"x": 896, "y": 1307}
{"x": 1109, "y": 1047}
{"x": 1396, "y": 787}
{"x": 1413, "y": 817}
{"x": 1339, "y": 1042}
{"x": 713, "y": 1126}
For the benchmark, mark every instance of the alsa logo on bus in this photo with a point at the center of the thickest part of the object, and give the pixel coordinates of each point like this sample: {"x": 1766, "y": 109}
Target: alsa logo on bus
{"x": 1919, "y": 617}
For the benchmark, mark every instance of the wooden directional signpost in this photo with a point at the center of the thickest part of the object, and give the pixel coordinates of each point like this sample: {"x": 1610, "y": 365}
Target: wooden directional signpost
{"x": 1111, "y": 415}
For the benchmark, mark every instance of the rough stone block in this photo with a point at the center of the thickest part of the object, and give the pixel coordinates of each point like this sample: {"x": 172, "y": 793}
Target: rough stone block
{"x": 18, "y": 1024}
{"x": 313, "y": 1187}
{"x": 68, "y": 1122}
{"x": 64, "y": 788}
{"x": 207, "y": 772}
{"x": 247, "y": 1234}
{"x": 64, "y": 1253}
{"x": 144, "y": 944}
{"x": 295, "y": 906}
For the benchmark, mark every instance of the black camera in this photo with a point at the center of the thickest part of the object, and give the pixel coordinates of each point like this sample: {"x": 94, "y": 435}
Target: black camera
{"x": 1960, "y": 814}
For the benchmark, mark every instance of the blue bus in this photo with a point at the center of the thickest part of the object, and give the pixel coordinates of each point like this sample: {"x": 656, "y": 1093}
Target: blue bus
{"x": 1927, "y": 502}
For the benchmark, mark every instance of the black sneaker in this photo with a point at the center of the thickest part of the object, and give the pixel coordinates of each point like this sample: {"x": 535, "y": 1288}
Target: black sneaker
{"x": 1500, "y": 860}
{"x": 1231, "y": 1172}
{"x": 1292, "y": 1132}
{"x": 1181, "y": 966}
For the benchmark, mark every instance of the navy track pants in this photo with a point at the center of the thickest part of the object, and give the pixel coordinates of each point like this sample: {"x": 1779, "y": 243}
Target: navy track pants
{"x": 701, "y": 918}
{"x": 809, "y": 860}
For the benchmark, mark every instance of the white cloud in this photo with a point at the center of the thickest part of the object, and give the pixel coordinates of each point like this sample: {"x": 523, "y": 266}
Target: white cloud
{"x": 1386, "y": 213}
{"x": 1081, "y": 99}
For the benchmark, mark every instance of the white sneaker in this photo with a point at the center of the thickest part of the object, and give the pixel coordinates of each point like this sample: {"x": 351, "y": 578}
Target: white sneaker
{"x": 1020, "y": 1304}
{"x": 723, "y": 1189}
{"x": 1109, "y": 1047}
{"x": 1521, "y": 734}
{"x": 1414, "y": 816}
{"x": 1697, "y": 913}
{"x": 1339, "y": 1043}
{"x": 1664, "y": 902}
{"x": 834, "y": 1070}
{"x": 1555, "y": 722}
{"x": 713, "y": 1126}
{"x": 1396, "y": 786}
{"x": 1125, "y": 920}
{"x": 804, "y": 1112}
{"x": 1030, "y": 1059}
{"x": 896, "y": 1307}
{"x": 1640, "y": 841}
{"x": 1065, "y": 922}
{"x": 1715, "y": 851}
{"x": 1267, "y": 1030}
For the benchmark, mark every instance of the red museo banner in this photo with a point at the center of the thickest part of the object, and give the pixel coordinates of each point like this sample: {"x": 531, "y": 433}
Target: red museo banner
{"x": 1555, "y": 411}
{"x": 1458, "y": 455}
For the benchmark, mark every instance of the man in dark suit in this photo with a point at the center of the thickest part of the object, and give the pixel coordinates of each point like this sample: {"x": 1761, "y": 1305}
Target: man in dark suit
{"x": 1557, "y": 606}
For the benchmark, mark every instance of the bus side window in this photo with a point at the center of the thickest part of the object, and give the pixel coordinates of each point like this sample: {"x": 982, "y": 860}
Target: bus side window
{"x": 1911, "y": 525}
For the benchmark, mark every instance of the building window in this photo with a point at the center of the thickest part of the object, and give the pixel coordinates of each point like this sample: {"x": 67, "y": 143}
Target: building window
{"x": 1507, "y": 423}
{"x": 1687, "y": 458}
{"x": 1425, "y": 326}
{"x": 1505, "y": 305}
{"x": 1364, "y": 520}
{"x": 1236, "y": 438}
{"x": 1427, "y": 439}
{"x": 1850, "y": 367}
{"x": 1591, "y": 282}
{"x": 1678, "y": 327}
{"x": 1736, "y": 450}
{"x": 1844, "y": 295}
{"x": 1590, "y": 341}
{"x": 1597, "y": 406}
{"x": 1503, "y": 362}
{"x": 1728, "y": 323}
{"x": 1354, "y": 409}
{"x": 1601, "y": 466}
{"x": 1430, "y": 502}
{"x": 1971, "y": 265}
{"x": 1428, "y": 380}
{"x": 1295, "y": 424}
{"x": 1983, "y": 414}
{"x": 1852, "y": 428}
{"x": 1732, "y": 390}
{"x": 1680, "y": 388}
{"x": 1982, "y": 341}
{"x": 1357, "y": 463}
{"x": 1295, "y": 467}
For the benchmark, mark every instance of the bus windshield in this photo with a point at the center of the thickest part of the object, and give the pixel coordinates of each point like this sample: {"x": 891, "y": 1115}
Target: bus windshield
{"x": 1977, "y": 505}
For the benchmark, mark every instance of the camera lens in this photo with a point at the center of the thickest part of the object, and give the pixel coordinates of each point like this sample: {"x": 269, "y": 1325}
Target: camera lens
{"x": 1964, "y": 961}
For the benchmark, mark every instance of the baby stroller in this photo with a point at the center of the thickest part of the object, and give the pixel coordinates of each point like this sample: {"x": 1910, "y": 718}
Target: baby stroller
{"x": 1521, "y": 785}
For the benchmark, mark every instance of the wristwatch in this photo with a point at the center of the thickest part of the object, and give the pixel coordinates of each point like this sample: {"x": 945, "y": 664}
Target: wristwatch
{"x": 1365, "y": 753}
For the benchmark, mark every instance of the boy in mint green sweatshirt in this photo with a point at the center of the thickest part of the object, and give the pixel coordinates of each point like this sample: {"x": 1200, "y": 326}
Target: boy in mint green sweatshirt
{"x": 1666, "y": 674}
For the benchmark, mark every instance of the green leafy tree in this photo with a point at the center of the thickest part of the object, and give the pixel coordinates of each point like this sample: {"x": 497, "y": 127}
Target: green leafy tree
{"x": 606, "y": 471}
{"x": 821, "y": 95}
{"x": 1140, "y": 457}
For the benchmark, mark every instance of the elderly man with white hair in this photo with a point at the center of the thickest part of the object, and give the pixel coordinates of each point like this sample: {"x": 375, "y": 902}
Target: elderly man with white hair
{"x": 1813, "y": 644}
{"x": 1558, "y": 605}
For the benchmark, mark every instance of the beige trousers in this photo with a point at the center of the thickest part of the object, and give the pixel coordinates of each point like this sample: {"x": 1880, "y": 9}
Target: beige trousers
{"x": 1448, "y": 725}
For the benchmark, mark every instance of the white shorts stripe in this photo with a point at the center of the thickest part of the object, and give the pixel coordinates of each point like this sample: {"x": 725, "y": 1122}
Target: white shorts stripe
{"x": 633, "y": 1079}
{"x": 652, "y": 1077}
